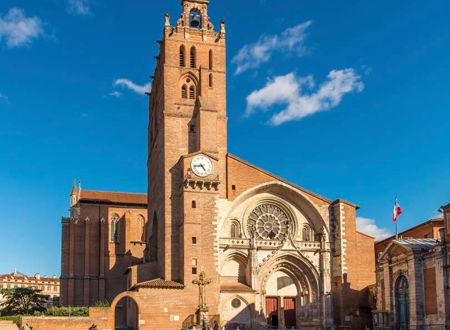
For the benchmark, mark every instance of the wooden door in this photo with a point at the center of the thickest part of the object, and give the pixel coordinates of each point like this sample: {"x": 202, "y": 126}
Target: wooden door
{"x": 272, "y": 311}
{"x": 289, "y": 313}
{"x": 402, "y": 302}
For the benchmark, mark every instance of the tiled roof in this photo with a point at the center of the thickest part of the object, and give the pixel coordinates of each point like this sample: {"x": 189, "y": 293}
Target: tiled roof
{"x": 159, "y": 284}
{"x": 20, "y": 276}
{"x": 418, "y": 244}
{"x": 113, "y": 197}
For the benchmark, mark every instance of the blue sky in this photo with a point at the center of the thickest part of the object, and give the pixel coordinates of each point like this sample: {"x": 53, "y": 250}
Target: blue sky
{"x": 349, "y": 99}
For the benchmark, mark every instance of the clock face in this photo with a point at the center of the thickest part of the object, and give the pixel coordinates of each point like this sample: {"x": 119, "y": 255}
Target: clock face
{"x": 201, "y": 165}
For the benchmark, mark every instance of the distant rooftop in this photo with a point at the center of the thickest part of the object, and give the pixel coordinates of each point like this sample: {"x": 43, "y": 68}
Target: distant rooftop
{"x": 437, "y": 221}
{"x": 112, "y": 197}
{"x": 37, "y": 276}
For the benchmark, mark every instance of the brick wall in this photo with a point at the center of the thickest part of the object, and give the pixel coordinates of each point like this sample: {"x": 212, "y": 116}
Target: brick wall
{"x": 93, "y": 266}
{"x": 243, "y": 176}
{"x": 430, "y": 290}
{"x": 64, "y": 323}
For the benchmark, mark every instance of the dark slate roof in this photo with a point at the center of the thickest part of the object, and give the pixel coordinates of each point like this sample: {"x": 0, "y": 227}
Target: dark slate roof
{"x": 418, "y": 244}
{"x": 159, "y": 284}
{"x": 438, "y": 221}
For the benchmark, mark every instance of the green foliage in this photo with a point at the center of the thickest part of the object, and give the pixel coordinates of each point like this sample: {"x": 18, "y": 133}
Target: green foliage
{"x": 14, "y": 318}
{"x": 67, "y": 311}
{"x": 23, "y": 301}
{"x": 102, "y": 303}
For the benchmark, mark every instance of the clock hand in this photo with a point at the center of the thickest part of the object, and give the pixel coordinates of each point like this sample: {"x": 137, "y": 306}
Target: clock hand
{"x": 203, "y": 167}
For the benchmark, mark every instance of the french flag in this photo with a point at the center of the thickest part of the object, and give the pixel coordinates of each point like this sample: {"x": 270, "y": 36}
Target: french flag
{"x": 397, "y": 211}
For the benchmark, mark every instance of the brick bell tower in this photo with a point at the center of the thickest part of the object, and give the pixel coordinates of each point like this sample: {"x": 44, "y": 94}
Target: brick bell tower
{"x": 187, "y": 148}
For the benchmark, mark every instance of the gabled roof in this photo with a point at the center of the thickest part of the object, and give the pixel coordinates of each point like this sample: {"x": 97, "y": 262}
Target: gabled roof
{"x": 326, "y": 200}
{"x": 411, "y": 245}
{"x": 438, "y": 221}
{"x": 159, "y": 284}
{"x": 108, "y": 197}
{"x": 418, "y": 244}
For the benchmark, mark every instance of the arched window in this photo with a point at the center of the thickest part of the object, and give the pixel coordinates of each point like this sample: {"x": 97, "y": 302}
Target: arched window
{"x": 192, "y": 92}
{"x": 210, "y": 59}
{"x": 184, "y": 92}
{"x": 115, "y": 228}
{"x": 193, "y": 58}
{"x": 235, "y": 230}
{"x": 182, "y": 56}
{"x": 211, "y": 80}
{"x": 306, "y": 233}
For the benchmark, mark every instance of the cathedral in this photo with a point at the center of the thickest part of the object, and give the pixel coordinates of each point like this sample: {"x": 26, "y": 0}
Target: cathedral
{"x": 216, "y": 241}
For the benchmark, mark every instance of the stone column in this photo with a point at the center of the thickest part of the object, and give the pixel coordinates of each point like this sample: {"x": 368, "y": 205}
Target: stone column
{"x": 87, "y": 254}
{"x": 326, "y": 312}
{"x": 416, "y": 292}
{"x": 389, "y": 290}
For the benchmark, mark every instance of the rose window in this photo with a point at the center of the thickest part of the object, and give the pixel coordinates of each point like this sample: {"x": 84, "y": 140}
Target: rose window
{"x": 268, "y": 221}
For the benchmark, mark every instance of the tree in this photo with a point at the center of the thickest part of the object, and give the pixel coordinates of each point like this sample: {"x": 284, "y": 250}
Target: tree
{"x": 23, "y": 301}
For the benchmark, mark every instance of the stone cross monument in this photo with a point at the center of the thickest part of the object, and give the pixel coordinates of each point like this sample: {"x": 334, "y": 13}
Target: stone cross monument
{"x": 202, "y": 311}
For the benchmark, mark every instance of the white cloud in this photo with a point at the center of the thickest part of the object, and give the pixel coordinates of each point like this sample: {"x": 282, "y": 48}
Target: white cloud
{"x": 4, "y": 99}
{"x": 17, "y": 29}
{"x": 369, "y": 227}
{"x": 253, "y": 55}
{"x": 79, "y": 7}
{"x": 115, "y": 94}
{"x": 132, "y": 86}
{"x": 296, "y": 93}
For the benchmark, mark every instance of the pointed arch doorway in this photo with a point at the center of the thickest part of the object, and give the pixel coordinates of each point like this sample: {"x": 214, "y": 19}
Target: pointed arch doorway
{"x": 281, "y": 300}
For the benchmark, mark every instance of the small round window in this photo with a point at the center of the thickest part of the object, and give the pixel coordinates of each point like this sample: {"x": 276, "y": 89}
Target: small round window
{"x": 236, "y": 303}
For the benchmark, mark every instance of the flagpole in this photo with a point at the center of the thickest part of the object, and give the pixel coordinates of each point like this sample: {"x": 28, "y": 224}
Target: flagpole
{"x": 396, "y": 230}
{"x": 396, "y": 218}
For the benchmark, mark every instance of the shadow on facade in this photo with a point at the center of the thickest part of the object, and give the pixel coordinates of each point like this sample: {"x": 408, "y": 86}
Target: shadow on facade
{"x": 352, "y": 308}
{"x": 176, "y": 221}
{"x": 117, "y": 267}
